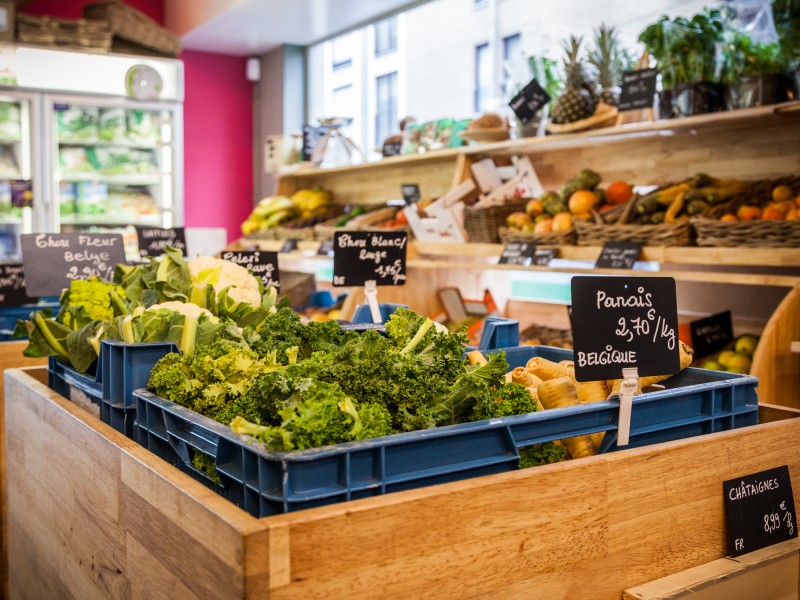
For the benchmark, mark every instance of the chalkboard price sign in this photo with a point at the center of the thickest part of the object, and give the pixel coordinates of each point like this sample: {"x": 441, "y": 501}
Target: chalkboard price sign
{"x": 263, "y": 265}
{"x": 325, "y": 248}
{"x": 153, "y": 241}
{"x": 759, "y": 510}
{"x": 12, "y": 285}
{"x": 621, "y": 322}
{"x": 712, "y": 333}
{"x": 517, "y": 253}
{"x": 361, "y": 256}
{"x": 529, "y": 101}
{"x": 543, "y": 256}
{"x": 52, "y": 260}
{"x": 638, "y": 89}
{"x": 410, "y": 192}
{"x": 618, "y": 255}
{"x": 289, "y": 245}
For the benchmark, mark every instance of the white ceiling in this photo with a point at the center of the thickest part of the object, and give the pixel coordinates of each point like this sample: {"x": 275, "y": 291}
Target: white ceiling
{"x": 252, "y": 27}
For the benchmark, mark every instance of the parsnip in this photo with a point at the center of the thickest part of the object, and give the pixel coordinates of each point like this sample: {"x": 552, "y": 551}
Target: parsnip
{"x": 559, "y": 393}
{"x": 546, "y": 369}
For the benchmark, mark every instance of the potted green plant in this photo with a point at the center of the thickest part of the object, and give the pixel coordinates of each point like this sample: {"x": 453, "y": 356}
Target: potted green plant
{"x": 687, "y": 53}
{"x": 754, "y": 73}
{"x": 786, "y": 15}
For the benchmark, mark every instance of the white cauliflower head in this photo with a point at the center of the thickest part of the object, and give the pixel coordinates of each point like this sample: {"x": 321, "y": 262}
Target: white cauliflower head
{"x": 243, "y": 286}
{"x": 185, "y": 308}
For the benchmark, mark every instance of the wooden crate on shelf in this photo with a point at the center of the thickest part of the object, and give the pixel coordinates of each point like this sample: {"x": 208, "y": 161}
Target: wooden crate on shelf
{"x": 135, "y": 29}
{"x": 79, "y": 34}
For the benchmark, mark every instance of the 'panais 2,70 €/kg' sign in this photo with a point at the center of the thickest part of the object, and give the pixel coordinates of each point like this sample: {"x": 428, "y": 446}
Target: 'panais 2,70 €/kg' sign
{"x": 361, "y": 256}
{"x": 52, "y": 260}
{"x": 622, "y": 322}
{"x": 263, "y": 265}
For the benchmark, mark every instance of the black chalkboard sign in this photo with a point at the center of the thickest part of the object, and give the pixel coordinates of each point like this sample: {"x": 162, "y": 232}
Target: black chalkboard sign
{"x": 410, "y": 192}
{"x": 52, "y": 260}
{"x": 361, "y": 256}
{"x": 288, "y": 246}
{"x": 12, "y": 285}
{"x": 311, "y": 136}
{"x": 759, "y": 510}
{"x": 618, "y": 255}
{"x": 517, "y": 253}
{"x": 543, "y": 256}
{"x": 712, "y": 333}
{"x": 153, "y": 241}
{"x": 529, "y": 101}
{"x": 620, "y": 322}
{"x": 263, "y": 265}
{"x": 392, "y": 147}
{"x": 638, "y": 89}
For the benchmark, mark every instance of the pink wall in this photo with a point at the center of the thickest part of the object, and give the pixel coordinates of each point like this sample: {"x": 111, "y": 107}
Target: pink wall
{"x": 218, "y": 142}
{"x": 218, "y": 125}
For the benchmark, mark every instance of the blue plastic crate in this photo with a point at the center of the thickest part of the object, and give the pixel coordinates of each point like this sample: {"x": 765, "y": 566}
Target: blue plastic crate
{"x": 696, "y": 402}
{"x": 120, "y": 369}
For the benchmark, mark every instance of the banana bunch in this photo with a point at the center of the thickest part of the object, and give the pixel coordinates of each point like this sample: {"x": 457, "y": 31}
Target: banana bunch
{"x": 270, "y": 212}
{"x": 312, "y": 202}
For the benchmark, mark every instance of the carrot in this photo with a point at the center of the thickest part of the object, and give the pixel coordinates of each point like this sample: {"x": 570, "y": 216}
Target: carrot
{"x": 560, "y": 393}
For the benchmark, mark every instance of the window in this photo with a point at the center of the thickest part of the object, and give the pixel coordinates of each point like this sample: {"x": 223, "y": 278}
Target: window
{"x": 342, "y": 50}
{"x": 483, "y": 81}
{"x": 343, "y": 104}
{"x": 512, "y": 57}
{"x": 386, "y": 103}
{"x": 386, "y": 36}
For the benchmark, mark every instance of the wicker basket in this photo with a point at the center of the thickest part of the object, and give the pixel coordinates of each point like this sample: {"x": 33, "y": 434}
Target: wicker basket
{"x": 560, "y": 238}
{"x": 750, "y": 234}
{"x": 482, "y": 223}
{"x": 298, "y": 287}
{"x": 663, "y": 234}
{"x": 131, "y": 25}
{"x": 79, "y": 34}
{"x": 294, "y": 233}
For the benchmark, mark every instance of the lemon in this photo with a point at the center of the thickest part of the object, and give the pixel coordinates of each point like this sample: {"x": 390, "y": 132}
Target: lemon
{"x": 713, "y": 365}
{"x": 739, "y": 364}
{"x": 725, "y": 357}
{"x": 746, "y": 344}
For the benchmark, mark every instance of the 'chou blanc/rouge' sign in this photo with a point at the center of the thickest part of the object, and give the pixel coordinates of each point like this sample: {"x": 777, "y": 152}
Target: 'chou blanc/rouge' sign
{"x": 52, "y": 260}
{"x": 623, "y": 322}
{"x": 361, "y": 256}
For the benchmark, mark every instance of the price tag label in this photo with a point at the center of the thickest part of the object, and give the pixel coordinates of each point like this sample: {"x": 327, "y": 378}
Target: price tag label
{"x": 311, "y": 136}
{"x": 638, "y": 89}
{"x": 12, "y": 285}
{"x": 517, "y": 253}
{"x": 392, "y": 148}
{"x": 529, "y": 101}
{"x": 289, "y": 245}
{"x": 543, "y": 256}
{"x": 153, "y": 241}
{"x": 52, "y": 260}
{"x": 263, "y": 265}
{"x": 618, "y": 255}
{"x": 410, "y": 192}
{"x": 361, "y": 256}
{"x": 325, "y": 248}
{"x": 759, "y": 510}
{"x": 620, "y": 322}
{"x": 712, "y": 333}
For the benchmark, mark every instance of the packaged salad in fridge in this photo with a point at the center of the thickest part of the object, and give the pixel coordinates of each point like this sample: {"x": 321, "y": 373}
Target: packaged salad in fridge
{"x": 10, "y": 127}
{"x": 78, "y": 124}
{"x": 141, "y": 126}
{"x": 113, "y": 126}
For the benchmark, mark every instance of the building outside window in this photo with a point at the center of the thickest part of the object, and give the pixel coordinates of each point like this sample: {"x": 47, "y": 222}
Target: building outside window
{"x": 512, "y": 68}
{"x": 483, "y": 82}
{"x": 386, "y": 103}
{"x": 342, "y": 50}
{"x": 386, "y": 36}
{"x": 343, "y": 104}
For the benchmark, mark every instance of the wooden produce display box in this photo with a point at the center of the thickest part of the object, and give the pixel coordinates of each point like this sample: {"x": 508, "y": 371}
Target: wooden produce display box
{"x": 91, "y": 514}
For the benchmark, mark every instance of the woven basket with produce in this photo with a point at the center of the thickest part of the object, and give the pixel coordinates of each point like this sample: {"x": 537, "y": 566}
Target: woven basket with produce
{"x": 304, "y": 209}
{"x": 662, "y": 217}
{"x": 765, "y": 215}
{"x": 556, "y": 218}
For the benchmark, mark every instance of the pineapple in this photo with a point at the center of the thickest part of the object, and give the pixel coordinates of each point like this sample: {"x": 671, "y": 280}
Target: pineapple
{"x": 610, "y": 61}
{"x": 576, "y": 102}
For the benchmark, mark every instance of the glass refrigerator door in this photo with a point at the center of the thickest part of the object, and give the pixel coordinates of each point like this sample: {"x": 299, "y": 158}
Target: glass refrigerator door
{"x": 17, "y": 179}
{"x": 114, "y": 166}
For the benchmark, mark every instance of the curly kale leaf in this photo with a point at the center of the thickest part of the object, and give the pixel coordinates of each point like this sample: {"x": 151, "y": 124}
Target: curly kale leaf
{"x": 510, "y": 399}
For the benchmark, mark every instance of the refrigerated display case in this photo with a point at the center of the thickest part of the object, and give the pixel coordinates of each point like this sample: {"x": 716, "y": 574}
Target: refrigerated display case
{"x": 106, "y": 134}
{"x": 20, "y": 179}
